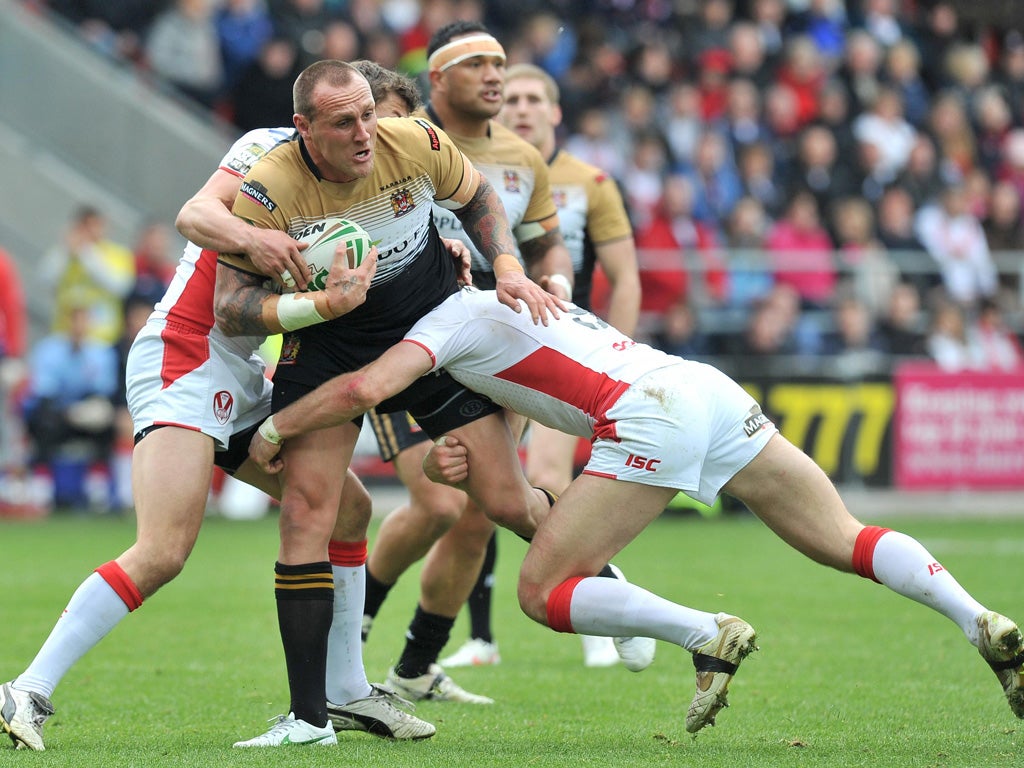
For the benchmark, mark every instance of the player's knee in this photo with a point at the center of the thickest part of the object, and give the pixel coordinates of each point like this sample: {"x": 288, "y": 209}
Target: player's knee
{"x": 533, "y": 597}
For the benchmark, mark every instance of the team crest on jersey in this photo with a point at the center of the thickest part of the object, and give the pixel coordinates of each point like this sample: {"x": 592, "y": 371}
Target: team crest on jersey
{"x": 402, "y": 202}
{"x": 511, "y": 176}
{"x": 258, "y": 194}
{"x": 560, "y": 198}
{"x": 289, "y": 349}
{"x": 246, "y": 159}
{"x": 223, "y": 402}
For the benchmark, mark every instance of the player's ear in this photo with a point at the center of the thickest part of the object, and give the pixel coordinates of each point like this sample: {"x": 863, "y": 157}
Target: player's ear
{"x": 556, "y": 115}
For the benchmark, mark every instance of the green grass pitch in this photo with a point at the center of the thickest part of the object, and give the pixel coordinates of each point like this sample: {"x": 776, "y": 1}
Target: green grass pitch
{"x": 848, "y": 674}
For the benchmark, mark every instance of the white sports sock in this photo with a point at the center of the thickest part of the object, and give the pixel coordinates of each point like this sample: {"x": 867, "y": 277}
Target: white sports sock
{"x": 616, "y": 608}
{"x": 346, "y": 675}
{"x": 903, "y": 565}
{"x": 92, "y": 612}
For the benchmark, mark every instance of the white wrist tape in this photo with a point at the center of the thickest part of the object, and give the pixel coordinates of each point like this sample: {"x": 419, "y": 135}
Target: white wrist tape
{"x": 269, "y": 432}
{"x": 563, "y": 282}
{"x": 297, "y": 310}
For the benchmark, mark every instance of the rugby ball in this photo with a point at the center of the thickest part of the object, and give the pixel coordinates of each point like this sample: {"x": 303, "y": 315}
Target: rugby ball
{"x": 324, "y": 237}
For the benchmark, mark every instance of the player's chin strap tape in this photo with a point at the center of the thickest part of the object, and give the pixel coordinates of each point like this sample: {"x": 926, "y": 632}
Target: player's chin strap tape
{"x": 705, "y": 663}
{"x": 1013, "y": 663}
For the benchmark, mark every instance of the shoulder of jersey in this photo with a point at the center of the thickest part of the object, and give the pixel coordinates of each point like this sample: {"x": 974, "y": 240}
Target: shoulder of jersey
{"x": 582, "y": 167}
{"x": 406, "y": 132}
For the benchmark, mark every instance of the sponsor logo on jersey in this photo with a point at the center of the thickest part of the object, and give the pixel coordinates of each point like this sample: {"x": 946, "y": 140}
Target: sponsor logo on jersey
{"x": 511, "y": 178}
{"x": 289, "y": 349}
{"x": 435, "y": 142}
{"x": 223, "y": 402}
{"x": 755, "y": 421}
{"x": 561, "y": 199}
{"x": 642, "y": 462}
{"x": 258, "y": 194}
{"x": 401, "y": 202}
{"x": 395, "y": 183}
{"x": 246, "y": 158}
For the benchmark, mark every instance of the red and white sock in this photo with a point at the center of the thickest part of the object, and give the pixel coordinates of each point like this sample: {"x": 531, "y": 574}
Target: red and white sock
{"x": 614, "y": 608}
{"x": 96, "y": 607}
{"x": 346, "y": 675}
{"x": 903, "y": 565}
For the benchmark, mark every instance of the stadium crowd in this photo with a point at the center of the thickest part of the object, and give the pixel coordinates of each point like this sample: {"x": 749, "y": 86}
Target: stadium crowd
{"x": 807, "y": 179}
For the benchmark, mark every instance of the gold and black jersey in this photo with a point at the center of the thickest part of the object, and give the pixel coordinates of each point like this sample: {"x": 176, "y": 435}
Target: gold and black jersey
{"x": 415, "y": 164}
{"x": 590, "y": 213}
{"x": 517, "y": 172}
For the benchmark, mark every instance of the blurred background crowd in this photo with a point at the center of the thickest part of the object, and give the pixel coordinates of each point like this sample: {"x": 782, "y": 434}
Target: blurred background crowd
{"x": 815, "y": 185}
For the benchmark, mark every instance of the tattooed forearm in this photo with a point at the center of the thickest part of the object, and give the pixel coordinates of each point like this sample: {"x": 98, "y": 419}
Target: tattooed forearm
{"x": 486, "y": 223}
{"x": 238, "y": 302}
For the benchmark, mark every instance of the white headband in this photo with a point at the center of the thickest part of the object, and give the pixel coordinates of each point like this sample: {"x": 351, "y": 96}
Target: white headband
{"x": 457, "y": 51}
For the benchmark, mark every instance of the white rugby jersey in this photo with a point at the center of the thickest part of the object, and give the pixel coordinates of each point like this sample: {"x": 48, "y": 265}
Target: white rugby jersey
{"x": 189, "y": 297}
{"x": 567, "y": 375}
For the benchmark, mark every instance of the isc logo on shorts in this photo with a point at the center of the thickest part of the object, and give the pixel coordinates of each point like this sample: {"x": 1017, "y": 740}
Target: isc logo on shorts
{"x": 642, "y": 462}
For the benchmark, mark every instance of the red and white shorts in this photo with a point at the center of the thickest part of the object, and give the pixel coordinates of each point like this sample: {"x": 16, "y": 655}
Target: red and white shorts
{"x": 179, "y": 376}
{"x": 687, "y": 426}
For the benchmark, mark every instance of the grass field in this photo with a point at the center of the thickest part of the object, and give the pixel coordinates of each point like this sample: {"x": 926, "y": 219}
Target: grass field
{"x": 848, "y": 674}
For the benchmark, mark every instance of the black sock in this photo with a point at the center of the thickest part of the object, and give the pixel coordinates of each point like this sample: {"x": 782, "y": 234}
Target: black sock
{"x": 376, "y": 592}
{"x": 305, "y": 609}
{"x": 479, "y": 603}
{"x": 427, "y": 635}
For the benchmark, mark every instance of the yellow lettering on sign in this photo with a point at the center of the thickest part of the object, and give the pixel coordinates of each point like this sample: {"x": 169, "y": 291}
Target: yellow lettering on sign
{"x": 797, "y": 406}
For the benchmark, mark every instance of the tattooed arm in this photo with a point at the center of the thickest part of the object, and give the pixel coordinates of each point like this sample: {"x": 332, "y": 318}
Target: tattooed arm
{"x": 486, "y": 223}
{"x": 244, "y": 305}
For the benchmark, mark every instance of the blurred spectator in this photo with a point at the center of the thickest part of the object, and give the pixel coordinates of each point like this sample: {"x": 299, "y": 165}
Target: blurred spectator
{"x": 955, "y": 240}
{"x": 997, "y": 347}
{"x": 939, "y": 33}
{"x": 946, "y": 342}
{"x": 921, "y": 177}
{"x": 671, "y": 237}
{"x": 881, "y": 19}
{"x": 855, "y": 343}
{"x": 770, "y": 327}
{"x": 968, "y": 68}
{"x": 834, "y": 114}
{"x": 993, "y": 122}
{"x": 860, "y": 70}
{"x": 1010, "y": 74}
{"x": 683, "y": 122}
{"x": 642, "y": 177}
{"x": 801, "y": 252}
{"x": 243, "y": 26}
{"x": 803, "y": 71}
{"x": 680, "y": 333}
{"x": 823, "y": 22}
{"x": 592, "y": 143}
{"x": 262, "y": 96}
{"x": 749, "y": 274}
{"x": 713, "y": 84}
{"x": 884, "y": 127}
{"x": 69, "y": 406}
{"x": 340, "y": 41}
{"x": 769, "y": 17}
{"x": 950, "y": 126}
{"x": 116, "y": 28}
{"x": 716, "y": 182}
{"x": 156, "y": 257}
{"x": 741, "y": 123}
{"x": 902, "y": 325}
{"x": 709, "y": 31}
{"x": 303, "y": 22}
{"x": 184, "y": 49}
{"x": 783, "y": 126}
{"x": 13, "y": 338}
{"x": 1004, "y": 229}
{"x": 902, "y": 72}
{"x": 758, "y": 178}
{"x": 1012, "y": 168}
{"x": 866, "y": 269}
{"x": 746, "y": 49}
{"x": 896, "y": 221}
{"x": 88, "y": 269}
{"x": 820, "y": 170}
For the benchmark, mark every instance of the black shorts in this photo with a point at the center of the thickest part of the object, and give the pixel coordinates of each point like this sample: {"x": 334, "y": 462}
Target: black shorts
{"x": 231, "y": 458}
{"x": 437, "y": 402}
{"x": 395, "y": 432}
